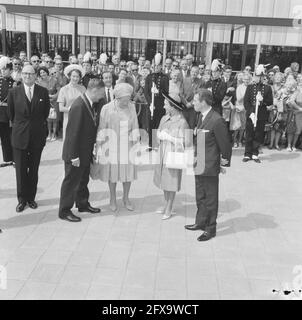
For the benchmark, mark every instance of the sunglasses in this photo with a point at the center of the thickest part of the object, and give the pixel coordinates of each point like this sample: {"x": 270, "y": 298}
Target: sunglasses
{"x": 47, "y": 61}
{"x": 35, "y": 61}
{"x": 134, "y": 69}
{"x": 17, "y": 64}
{"x": 123, "y": 65}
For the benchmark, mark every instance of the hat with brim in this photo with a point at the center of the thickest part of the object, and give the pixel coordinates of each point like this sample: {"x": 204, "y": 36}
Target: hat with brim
{"x": 178, "y": 105}
{"x": 5, "y": 63}
{"x": 73, "y": 67}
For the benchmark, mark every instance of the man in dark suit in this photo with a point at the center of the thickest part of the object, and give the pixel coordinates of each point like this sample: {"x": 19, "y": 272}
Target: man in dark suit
{"x": 255, "y": 124}
{"x": 28, "y": 106}
{"x": 78, "y": 152}
{"x": 108, "y": 81}
{"x": 214, "y": 150}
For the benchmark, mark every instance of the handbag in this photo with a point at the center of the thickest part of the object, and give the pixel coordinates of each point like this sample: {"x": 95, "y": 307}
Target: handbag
{"x": 52, "y": 114}
{"x": 177, "y": 159}
{"x": 235, "y": 123}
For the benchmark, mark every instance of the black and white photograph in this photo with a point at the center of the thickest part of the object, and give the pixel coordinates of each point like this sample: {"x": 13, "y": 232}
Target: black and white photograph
{"x": 151, "y": 150}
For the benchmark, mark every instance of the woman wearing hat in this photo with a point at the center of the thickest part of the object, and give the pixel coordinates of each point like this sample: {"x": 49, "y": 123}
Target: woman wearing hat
{"x": 171, "y": 135}
{"x": 71, "y": 91}
{"x": 117, "y": 134}
{"x": 52, "y": 85}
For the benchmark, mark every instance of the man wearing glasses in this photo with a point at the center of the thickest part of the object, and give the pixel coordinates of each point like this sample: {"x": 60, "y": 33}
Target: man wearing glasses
{"x": 123, "y": 64}
{"x": 48, "y": 63}
{"x": 28, "y": 106}
{"x": 17, "y": 68}
{"x": 175, "y": 65}
{"x": 35, "y": 62}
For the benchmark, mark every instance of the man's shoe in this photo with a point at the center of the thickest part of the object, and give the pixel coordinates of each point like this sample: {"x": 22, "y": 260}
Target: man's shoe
{"x": 193, "y": 227}
{"x": 246, "y": 159}
{"x": 70, "y": 217}
{"x": 33, "y": 204}
{"x": 6, "y": 164}
{"x": 256, "y": 159}
{"x": 89, "y": 209}
{"x": 20, "y": 207}
{"x": 206, "y": 236}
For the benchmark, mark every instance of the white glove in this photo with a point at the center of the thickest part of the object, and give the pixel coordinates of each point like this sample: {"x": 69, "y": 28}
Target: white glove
{"x": 259, "y": 97}
{"x": 154, "y": 90}
{"x": 253, "y": 118}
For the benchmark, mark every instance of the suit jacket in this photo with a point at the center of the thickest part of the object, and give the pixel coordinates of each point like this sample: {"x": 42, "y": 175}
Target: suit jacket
{"x": 80, "y": 132}
{"x": 250, "y": 100}
{"x": 29, "y": 119}
{"x": 187, "y": 95}
{"x": 217, "y": 143}
{"x": 219, "y": 89}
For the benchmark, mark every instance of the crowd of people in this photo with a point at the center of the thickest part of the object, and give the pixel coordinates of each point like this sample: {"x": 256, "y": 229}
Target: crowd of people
{"x": 260, "y": 108}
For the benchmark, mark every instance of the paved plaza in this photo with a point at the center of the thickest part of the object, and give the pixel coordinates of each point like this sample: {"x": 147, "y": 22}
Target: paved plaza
{"x": 136, "y": 255}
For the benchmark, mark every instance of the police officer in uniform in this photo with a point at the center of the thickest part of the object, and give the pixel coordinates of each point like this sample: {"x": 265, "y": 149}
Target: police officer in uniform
{"x": 161, "y": 81}
{"x": 6, "y": 82}
{"x": 255, "y": 124}
{"x": 217, "y": 85}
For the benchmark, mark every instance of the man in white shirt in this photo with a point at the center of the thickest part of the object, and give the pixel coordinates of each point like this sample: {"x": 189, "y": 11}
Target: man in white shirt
{"x": 107, "y": 78}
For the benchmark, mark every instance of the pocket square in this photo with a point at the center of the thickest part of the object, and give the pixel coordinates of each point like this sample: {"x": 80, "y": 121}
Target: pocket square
{"x": 41, "y": 100}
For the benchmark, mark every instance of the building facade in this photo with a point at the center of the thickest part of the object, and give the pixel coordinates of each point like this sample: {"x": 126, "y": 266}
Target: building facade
{"x": 131, "y": 38}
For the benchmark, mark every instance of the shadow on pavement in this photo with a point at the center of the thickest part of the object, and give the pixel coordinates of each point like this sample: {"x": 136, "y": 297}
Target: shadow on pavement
{"x": 281, "y": 156}
{"x": 252, "y": 221}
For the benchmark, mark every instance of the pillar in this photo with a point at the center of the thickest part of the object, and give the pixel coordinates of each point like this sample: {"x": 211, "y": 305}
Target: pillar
{"x": 244, "y": 51}
{"x": 3, "y": 31}
{"x": 44, "y": 43}
{"x": 204, "y": 43}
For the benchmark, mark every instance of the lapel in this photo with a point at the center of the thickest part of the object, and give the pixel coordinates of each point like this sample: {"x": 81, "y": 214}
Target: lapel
{"x": 89, "y": 109}
{"x": 207, "y": 119}
{"x": 24, "y": 98}
{"x": 35, "y": 97}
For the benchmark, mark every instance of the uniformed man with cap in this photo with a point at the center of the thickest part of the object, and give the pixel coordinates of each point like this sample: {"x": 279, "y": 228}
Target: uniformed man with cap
{"x": 257, "y": 99}
{"x": 217, "y": 85}
{"x": 155, "y": 84}
{"x": 6, "y": 82}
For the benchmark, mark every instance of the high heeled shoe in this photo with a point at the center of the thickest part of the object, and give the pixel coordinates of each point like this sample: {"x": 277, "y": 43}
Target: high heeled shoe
{"x": 167, "y": 216}
{"x": 128, "y": 205}
{"x": 113, "y": 207}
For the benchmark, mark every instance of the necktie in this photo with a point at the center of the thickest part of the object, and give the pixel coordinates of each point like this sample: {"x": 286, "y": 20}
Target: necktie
{"x": 29, "y": 94}
{"x": 108, "y": 95}
{"x": 199, "y": 120}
